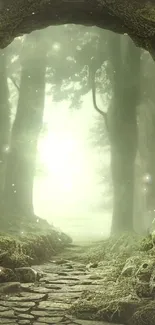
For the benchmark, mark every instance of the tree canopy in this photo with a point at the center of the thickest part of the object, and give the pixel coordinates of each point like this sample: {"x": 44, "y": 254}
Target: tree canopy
{"x": 136, "y": 18}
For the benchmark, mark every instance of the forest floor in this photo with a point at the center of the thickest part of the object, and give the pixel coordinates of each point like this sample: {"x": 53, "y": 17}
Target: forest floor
{"x": 49, "y": 300}
{"x": 98, "y": 284}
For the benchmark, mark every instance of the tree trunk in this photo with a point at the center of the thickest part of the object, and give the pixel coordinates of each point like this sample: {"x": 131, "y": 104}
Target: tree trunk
{"x": 18, "y": 193}
{"x": 123, "y": 133}
{"x": 4, "y": 118}
{"x": 149, "y": 177}
{"x": 146, "y": 142}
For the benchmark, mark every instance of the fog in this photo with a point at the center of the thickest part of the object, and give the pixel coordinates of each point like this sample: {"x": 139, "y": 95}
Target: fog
{"x": 69, "y": 194}
{"x": 80, "y": 141}
{"x": 77, "y": 165}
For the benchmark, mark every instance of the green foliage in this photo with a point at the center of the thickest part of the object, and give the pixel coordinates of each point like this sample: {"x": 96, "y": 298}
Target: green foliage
{"x": 35, "y": 247}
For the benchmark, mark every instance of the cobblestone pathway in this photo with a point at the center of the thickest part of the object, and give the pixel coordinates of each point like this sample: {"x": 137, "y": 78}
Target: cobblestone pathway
{"x": 47, "y": 301}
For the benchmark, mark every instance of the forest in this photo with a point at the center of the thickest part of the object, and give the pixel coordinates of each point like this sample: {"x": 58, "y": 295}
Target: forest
{"x": 120, "y": 77}
{"x": 77, "y": 162}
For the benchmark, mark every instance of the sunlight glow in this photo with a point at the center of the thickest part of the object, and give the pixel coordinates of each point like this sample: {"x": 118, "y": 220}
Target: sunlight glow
{"x": 59, "y": 153}
{"x": 66, "y": 187}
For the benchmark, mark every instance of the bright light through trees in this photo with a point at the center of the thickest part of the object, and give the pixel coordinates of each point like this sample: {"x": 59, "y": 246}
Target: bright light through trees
{"x": 65, "y": 194}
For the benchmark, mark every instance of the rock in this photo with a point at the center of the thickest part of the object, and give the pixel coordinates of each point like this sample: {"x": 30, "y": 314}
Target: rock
{"x": 65, "y": 298}
{"x": 26, "y": 274}
{"x": 10, "y": 287}
{"x": 64, "y": 282}
{"x": 20, "y": 304}
{"x": 143, "y": 289}
{"x": 7, "y": 314}
{"x": 6, "y": 275}
{"x": 145, "y": 271}
{"x": 25, "y": 316}
{"x": 70, "y": 278}
{"x": 53, "y": 306}
{"x": 40, "y": 323}
{"x": 145, "y": 315}
{"x": 40, "y": 313}
{"x": 47, "y": 279}
{"x": 52, "y": 286}
{"x": 27, "y": 297}
{"x": 24, "y": 322}
{"x": 2, "y": 308}
{"x": 21, "y": 310}
{"x": 49, "y": 320}
{"x": 29, "y": 287}
{"x": 8, "y": 321}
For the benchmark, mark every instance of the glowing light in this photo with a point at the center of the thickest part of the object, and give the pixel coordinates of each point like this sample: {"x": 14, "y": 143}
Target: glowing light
{"x": 67, "y": 182}
{"x": 147, "y": 178}
{"x": 56, "y": 46}
{"x": 145, "y": 190}
{"x": 6, "y": 149}
{"x": 60, "y": 155}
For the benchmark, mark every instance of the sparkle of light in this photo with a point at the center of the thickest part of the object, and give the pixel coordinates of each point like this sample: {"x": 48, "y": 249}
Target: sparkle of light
{"x": 56, "y": 46}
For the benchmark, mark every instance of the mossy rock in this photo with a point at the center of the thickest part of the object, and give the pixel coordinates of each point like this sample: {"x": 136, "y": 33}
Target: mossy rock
{"x": 31, "y": 248}
{"x": 123, "y": 295}
{"x": 7, "y": 275}
{"x": 144, "y": 315}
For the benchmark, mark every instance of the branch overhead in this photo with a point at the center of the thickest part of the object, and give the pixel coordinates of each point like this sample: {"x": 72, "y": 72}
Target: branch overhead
{"x": 135, "y": 17}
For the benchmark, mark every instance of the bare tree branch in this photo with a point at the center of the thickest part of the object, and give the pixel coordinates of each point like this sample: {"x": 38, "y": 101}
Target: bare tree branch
{"x": 104, "y": 114}
{"x": 14, "y": 83}
{"x": 93, "y": 67}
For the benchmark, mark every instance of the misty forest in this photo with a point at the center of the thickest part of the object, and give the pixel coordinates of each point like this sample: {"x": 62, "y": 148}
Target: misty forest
{"x": 77, "y": 174}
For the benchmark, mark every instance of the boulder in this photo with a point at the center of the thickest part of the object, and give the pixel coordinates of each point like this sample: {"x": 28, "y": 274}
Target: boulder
{"x": 26, "y": 274}
{"x": 6, "y": 275}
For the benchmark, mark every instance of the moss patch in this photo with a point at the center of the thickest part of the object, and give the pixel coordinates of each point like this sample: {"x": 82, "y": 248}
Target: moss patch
{"x": 31, "y": 246}
{"x": 126, "y": 267}
{"x": 148, "y": 12}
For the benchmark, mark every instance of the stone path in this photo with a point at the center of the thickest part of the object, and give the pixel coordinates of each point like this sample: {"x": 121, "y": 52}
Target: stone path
{"x": 48, "y": 300}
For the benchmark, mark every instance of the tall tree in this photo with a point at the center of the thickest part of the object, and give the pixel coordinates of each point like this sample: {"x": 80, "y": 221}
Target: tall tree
{"x": 18, "y": 192}
{"x": 146, "y": 117}
{"x": 123, "y": 130}
{"x": 4, "y": 117}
